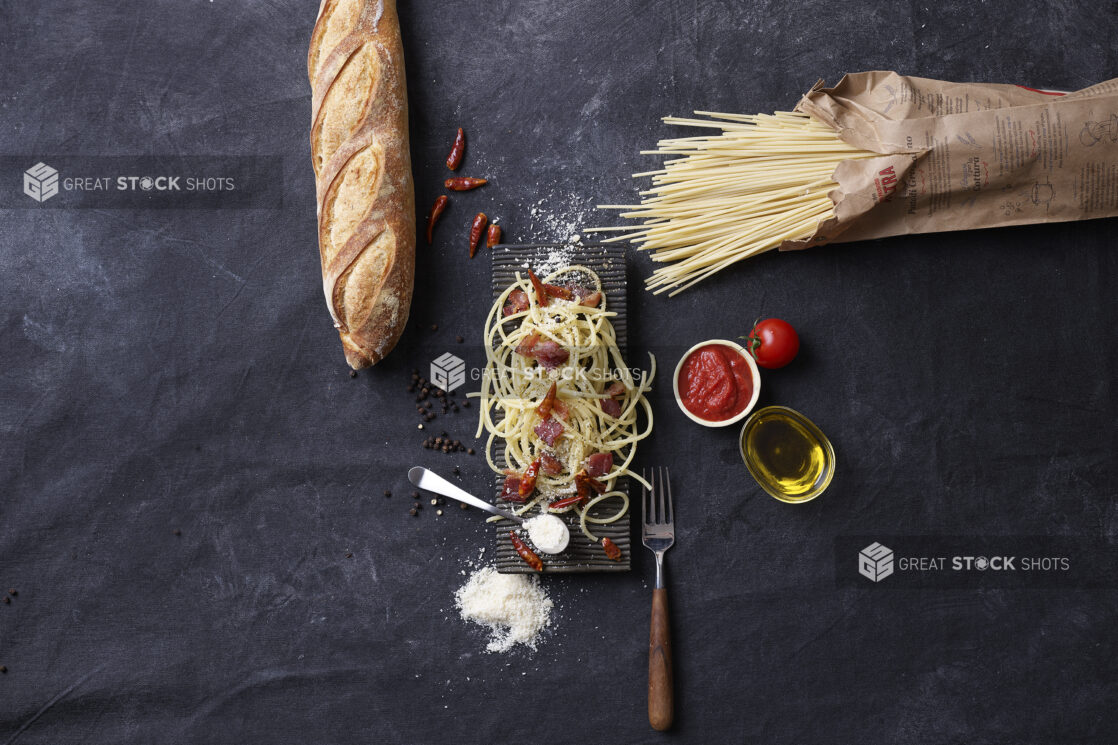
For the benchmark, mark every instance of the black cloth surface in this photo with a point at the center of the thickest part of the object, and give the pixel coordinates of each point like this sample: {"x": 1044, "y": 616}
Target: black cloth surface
{"x": 176, "y": 370}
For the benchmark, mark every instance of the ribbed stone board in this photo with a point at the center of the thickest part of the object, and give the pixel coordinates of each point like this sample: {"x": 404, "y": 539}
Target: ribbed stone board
{"x": 582, "y": 555}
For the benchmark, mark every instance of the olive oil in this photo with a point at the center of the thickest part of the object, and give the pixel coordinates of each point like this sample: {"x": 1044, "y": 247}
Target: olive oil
{"x": 787, "y": 454}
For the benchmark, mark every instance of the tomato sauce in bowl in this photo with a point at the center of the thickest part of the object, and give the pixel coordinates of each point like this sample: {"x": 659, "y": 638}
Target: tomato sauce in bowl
{"x": 716, "y": 383}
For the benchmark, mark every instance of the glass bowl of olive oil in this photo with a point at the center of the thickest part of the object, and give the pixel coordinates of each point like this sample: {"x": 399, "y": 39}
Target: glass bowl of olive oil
{"x": 787, "y": 454}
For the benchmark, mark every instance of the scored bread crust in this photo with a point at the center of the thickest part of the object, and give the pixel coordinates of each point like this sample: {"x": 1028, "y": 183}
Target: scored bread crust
{"x": 363, "y": 179}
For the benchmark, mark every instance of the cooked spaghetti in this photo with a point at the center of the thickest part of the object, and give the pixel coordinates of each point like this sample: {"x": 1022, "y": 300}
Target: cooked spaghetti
{"x": 559, "y": 396}
{"x": 762, "y": 181}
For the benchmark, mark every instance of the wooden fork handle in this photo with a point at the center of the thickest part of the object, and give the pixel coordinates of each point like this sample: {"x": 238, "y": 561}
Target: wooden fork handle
{"x": 661, "y": 699}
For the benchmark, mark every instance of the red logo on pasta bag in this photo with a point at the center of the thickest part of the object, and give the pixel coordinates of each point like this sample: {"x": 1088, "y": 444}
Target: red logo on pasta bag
{"x": 886, "y": 183}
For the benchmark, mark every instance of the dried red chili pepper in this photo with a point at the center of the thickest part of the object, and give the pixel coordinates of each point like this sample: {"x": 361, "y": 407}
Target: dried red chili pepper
{"x": 475, "y": 232}
{"x": 464, "y": 183}
{"x": 528, "y": 480}
{"x": 581, "y": 486}
{"x": 526, "y": 553}
{"x": 559, "y": 292}
{"x": 436, "y": 212}
{"x": 584, "y": 483}
{"x": 548, "y": 403}
{"x": 541, "y": 292}
{"x": 566, "y": 502}
{"x": 612, "y": 550}
{"x": 455, "y": 158}
{"x": 493, "y": 237}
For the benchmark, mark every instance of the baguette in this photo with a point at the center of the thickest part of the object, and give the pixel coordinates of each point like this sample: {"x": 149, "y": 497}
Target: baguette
{"x": 363, "y": 179}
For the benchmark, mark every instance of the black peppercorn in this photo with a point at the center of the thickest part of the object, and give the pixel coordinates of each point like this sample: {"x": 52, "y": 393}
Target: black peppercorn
{"x": 459, "y": 339}
{"x": 353, "y": 373}
{"x": 413, "y": 512}
{"x": 434, "y": 327}
{"x": 470, "y": 451}
{"x": 387, "y": 493}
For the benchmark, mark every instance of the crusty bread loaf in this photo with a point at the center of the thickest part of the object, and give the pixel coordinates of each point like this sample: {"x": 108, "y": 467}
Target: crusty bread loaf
{"x": 362, "y": 166}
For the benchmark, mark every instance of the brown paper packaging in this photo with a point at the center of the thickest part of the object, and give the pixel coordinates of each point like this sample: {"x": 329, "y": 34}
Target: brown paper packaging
{"x": 956, "y": 156}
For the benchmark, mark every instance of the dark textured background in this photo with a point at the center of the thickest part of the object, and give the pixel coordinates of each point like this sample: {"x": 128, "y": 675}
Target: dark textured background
{"x": 178, "y": 369}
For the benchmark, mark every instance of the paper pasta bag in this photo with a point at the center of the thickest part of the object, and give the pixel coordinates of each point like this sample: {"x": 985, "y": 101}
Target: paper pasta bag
{"x": 956, "y": 156}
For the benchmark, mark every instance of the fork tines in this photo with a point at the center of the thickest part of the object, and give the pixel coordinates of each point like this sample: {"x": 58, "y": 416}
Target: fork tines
{"x": 656, "y": 502}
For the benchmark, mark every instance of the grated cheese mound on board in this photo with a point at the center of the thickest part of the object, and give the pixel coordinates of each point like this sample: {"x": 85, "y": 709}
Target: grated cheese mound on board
{"x": 513, "y": 606}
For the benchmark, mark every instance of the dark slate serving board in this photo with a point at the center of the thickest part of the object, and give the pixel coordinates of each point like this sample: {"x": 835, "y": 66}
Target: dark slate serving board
{"x": 582, "y": 555}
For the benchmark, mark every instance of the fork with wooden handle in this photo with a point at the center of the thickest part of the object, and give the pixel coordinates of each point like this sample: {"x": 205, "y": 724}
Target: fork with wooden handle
{"x": 658, "y": 535}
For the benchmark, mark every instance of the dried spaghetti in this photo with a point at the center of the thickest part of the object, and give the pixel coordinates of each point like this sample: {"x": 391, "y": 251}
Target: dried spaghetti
{"x": 764, "y": 180}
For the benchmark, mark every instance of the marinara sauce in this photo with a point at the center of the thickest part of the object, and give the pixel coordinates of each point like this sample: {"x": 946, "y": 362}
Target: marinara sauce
{"x": 715, "y": 382}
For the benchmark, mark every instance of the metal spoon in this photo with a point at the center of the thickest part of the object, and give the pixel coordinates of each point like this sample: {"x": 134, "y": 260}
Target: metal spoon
{"x": 431, "y": 481}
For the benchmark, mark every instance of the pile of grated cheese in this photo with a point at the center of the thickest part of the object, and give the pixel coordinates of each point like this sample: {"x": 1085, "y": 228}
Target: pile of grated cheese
{"x": 514, "y": 607}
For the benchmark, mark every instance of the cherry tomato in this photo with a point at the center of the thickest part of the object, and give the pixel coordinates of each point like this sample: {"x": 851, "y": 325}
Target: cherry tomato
{"x": 773, "y": 343}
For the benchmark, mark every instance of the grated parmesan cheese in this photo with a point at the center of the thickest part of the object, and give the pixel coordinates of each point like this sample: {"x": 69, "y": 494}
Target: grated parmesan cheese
{"x": 513, "y": 606}
{"x": 557, "y": 258}
{"x": 548, "y": 533}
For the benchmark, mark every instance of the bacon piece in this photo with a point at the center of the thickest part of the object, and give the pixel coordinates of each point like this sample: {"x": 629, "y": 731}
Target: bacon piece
{"x": 578, "y": 290}
{"x": 517, "y": 303}
{"x": 613, "y": 551}
{"x": 616, "y": 388}
{"x": 528, "y": 480}
{"x": 550, "y": 465}
{"x": 510, "y": 492}
{"x": 611, "y": 407}
{"x": 592, "y": 300}
{"x": 548, "y": 403}
{"x": 566, "y": 502}
{"x": 527, "y": 346}
{"x": 562, "y": 410}
{"x": 541, "y": 293}
{"x": 599, "y": 464}
{"x": 549, "y": 430}
{"x": 529, "y": 556}
{"x": 562, "y": 293}
{"x": 549, "y": 354}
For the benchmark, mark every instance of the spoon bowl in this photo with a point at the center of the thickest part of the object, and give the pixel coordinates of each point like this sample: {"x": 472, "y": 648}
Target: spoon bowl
{"x": 431, "y": 481}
